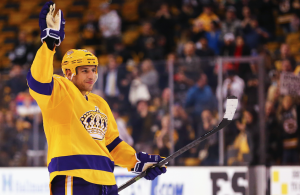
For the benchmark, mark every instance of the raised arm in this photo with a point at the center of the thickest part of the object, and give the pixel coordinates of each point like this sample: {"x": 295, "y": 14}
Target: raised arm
{"x": 39, "y": 77}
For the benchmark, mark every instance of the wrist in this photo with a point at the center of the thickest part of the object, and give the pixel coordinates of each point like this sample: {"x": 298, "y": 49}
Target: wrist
{"x": 50, "y": 43}
{"x": 52, "y": 34}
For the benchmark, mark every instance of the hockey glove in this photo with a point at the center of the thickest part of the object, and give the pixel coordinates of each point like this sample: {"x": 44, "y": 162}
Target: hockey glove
{"x": 145, "y": 161}
{"x": 51, "y": 26}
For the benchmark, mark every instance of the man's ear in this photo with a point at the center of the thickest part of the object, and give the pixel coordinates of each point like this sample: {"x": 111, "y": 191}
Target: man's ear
{"x": 68, "y": 74}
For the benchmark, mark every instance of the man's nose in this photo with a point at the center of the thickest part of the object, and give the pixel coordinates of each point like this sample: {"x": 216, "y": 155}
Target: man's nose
{"x": 91, "y": 75}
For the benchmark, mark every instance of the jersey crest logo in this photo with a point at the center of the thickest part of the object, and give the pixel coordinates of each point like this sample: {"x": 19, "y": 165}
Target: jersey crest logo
{"x": 95, "y": 123}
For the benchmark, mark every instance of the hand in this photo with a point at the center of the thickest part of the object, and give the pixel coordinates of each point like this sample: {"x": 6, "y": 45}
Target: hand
{"x": 51, "y": 26}
{"x": 240, "y": 126}
{"x": 159, "y": 142}
{"x": 145, "y": 161}
{"x": 124, "y": 82}
{"x": 53, "y": 22}
{"x": 43, "y": 15}
{"x": 152, "y": 173}
{"x": 104, "y": 28}
{"x": 202, "y": 154}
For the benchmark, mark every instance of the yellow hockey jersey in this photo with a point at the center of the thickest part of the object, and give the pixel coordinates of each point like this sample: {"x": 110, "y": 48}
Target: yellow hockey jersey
{"x": 82, "y": 135}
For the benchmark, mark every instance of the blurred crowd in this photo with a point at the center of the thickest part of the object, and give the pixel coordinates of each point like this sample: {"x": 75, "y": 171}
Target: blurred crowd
{"x": 138, "y": 43}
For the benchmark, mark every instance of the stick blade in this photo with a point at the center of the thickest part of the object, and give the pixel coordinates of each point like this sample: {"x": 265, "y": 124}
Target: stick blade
{"x": 231, "y": 106}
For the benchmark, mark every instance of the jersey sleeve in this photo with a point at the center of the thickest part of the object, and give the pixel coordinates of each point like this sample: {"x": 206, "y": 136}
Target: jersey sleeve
{"x": 40, "y": 75}
{"x": 123, "y": 154}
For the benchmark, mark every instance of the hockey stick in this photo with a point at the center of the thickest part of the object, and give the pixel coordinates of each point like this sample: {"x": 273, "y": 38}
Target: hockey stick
{"x": 231, "y": 106}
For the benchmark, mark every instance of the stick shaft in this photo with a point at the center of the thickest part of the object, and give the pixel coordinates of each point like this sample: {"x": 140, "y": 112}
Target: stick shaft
{"x": 223, "y": 123}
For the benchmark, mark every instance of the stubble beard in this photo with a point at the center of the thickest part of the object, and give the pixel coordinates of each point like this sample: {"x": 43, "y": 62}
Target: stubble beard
{"x": 83, "y": 87}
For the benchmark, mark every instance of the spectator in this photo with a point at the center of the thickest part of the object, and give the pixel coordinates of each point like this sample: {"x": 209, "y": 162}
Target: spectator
{"x": 162, "y": 137}
{"x": 209, "y": 148}
{"x": 138, "y": 91}
{"x": 1, "y": 130}
{"x": 274, "y": 146}
{"x": 273, "y": 95}
{"x": 151, "y": 51}
{"x": 124, "y": 135}
{"x": 197, "y": 31}
{"x": 243, "y": 150}
{"x": 266, "y": 15}
{"x": 185, "y": 36}
{"x": 90, "y": 23}
{"x": 231, "y": 24}
{"x": 288, "y": 117}
{"x": 141, "y": 122}
{"x": 162, "y": 47}
{"x": 164, "y": 24}
{"x": 89, "y": 30}
{"x": 183, "y": 128}
{"x": 121, "y": 50}
{"x": 247, "y": 16}
{"x": 285, "y": 10}
{"x": 232, "y": 85}
{"x": 200, "y": 97}
{"x": 149, "y": 77}
{"x": 10, "y": 136}
{"x": 147, "y": 32}
{"x": 251, "y": 88}
{"x": 286, "y": 66}
{"x": 164, "y": 107}
{"x": 163, "y": 70}
{"x": 295, "y": 24}
{"x": 17, "y": 81}
{"x": 285, "y": 53}
{"x": 116, "y": 83}
{"x": 22, "y": 53}
{"x": 213, "y": 38}
{"x": 240, "y": 5}
{"x": 111, "y": 89}
{"x": 207, "y": 17}
{"x": 203, "y": 48}
{"x": 254, "y": 35}
{"x": 181, "y": 85}
{"x": 191, "y": 62}
{"x": 26, "y": 105}
{"x": 1, "y": 122}
{"x": 186, "y": 15}
{"x": 241, "y": 49}
{"x": 228, "y": 47}
{"x": 110, "y": 26}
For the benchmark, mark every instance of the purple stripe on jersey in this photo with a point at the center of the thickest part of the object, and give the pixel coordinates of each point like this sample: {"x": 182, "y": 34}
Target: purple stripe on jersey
{"x": 65, "y": 163}
{"x": 113, "y": 144}
{"x": 41, "y": 88}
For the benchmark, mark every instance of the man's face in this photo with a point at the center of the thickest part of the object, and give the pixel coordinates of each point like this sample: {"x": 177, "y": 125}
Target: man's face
{"x": 146, "y": 29}
{"x": 230, "y": 15}
{"x": 85, "y": 78}
{"x": 207, "y": 10}
{"x": 203, "y": 42}
{"x": 202, "y": 81}
{"x": 189, "y": 49}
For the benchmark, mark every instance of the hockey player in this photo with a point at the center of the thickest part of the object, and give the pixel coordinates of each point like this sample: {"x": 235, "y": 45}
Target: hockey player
{"x": 82, "y": 134}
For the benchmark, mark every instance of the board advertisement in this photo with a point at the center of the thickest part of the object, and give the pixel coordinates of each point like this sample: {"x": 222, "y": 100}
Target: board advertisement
{"x": 177, "y": 181}
{"x": 285, "y": 180}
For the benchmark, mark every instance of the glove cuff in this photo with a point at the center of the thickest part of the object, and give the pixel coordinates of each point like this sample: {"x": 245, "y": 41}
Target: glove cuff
{"x": 144, "y": 161}
{"x": 49, "y": 32}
